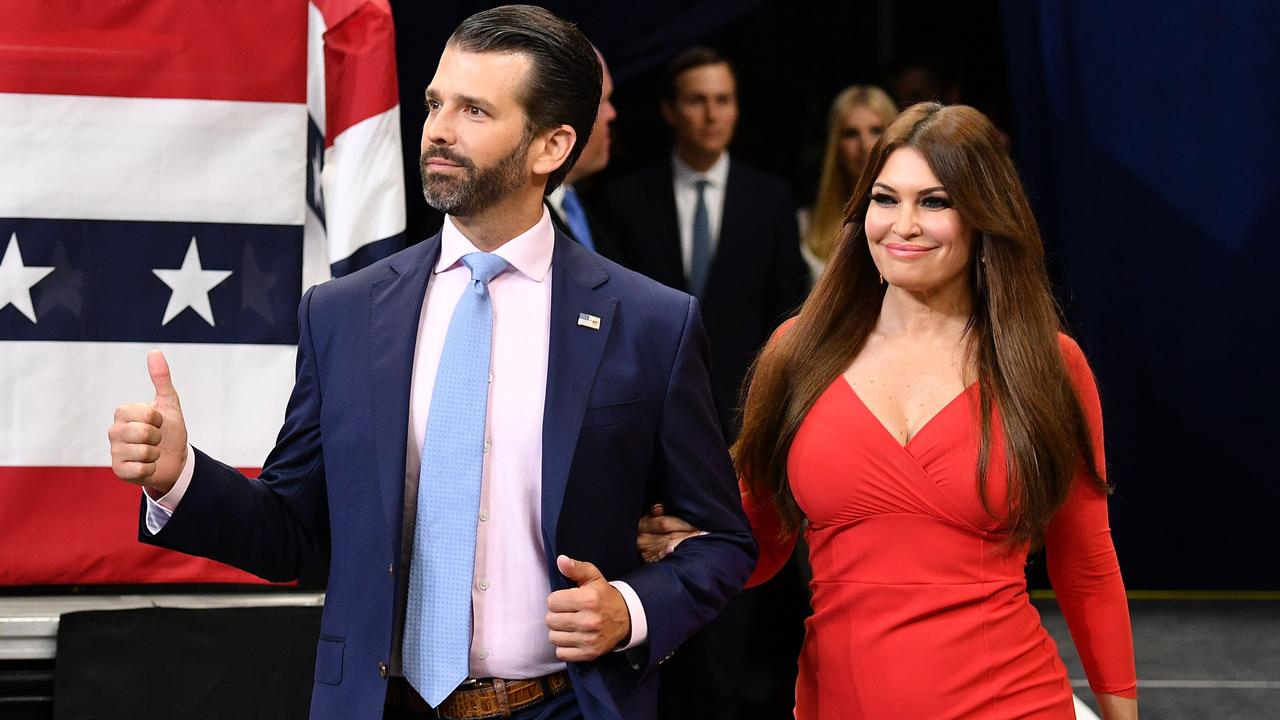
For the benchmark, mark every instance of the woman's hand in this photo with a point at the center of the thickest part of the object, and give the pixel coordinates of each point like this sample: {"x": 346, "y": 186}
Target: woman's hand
{"x": 659, "y": 534}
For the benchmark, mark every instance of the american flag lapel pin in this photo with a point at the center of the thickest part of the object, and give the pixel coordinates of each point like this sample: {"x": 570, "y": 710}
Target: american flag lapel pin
{"x": 589, "y": 321}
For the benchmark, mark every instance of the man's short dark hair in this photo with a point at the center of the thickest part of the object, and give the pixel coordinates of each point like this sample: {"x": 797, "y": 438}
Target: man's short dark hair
{"x": 563, "y": 87}
{"x": 694, "y": 57}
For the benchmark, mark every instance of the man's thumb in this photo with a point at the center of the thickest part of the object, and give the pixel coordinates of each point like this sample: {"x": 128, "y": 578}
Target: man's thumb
{"x": 158, "y": 368}
{"x": 580, "y": 572}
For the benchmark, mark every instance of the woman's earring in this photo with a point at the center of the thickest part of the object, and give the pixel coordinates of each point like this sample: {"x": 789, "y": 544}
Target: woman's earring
{"x": 881, "y": 279}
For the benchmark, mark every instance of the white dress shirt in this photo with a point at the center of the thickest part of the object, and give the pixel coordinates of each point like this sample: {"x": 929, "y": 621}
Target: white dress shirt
{"x": 510, "y": 583}
{"x": 556, "y": 198}
{"x": 685, "y": 183}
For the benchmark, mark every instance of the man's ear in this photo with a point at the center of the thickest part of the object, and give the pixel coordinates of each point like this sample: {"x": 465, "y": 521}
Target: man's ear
{"x": 552, "y": 149}
{"x": 668, "y": 113}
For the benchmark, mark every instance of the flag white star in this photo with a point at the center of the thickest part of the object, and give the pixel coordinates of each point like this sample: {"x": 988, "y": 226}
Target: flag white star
{"x": 17, "y": 279}
{"x": 190, "y": 285}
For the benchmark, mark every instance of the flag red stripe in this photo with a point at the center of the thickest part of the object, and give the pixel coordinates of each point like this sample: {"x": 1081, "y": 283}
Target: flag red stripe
{"x": 78, "y": 526}
{"x": 360, "y": 62}
{"x": 240, "y": 50}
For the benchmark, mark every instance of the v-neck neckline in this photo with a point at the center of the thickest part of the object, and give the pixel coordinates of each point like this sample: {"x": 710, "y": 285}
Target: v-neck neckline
{"x": 885, "y": 428}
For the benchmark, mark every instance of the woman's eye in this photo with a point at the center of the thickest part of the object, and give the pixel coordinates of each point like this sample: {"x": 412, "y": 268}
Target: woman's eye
{"x": 882, "y": 200}
{"x": 935, "y": 202}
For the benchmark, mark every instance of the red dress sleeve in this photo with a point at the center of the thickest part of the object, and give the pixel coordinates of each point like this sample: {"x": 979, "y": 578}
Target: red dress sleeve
{"x": 1082, "y": 560}
{"x": 766, "y": 526}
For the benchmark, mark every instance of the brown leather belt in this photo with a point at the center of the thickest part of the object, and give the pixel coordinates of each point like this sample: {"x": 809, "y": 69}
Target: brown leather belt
{"x": 481, "y": 699}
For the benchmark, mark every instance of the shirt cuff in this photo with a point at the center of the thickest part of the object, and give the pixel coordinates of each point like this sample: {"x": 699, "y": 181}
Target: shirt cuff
{"x": 639, "y": 626}
{"x": 159, "y": 511}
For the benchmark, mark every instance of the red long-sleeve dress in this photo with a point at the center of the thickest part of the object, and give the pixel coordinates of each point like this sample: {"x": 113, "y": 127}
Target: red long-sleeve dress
{"x": 919, "y": 612}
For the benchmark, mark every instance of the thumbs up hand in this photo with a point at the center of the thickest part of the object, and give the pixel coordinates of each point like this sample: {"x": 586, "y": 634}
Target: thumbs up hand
{"x": 149, "y": 441}
{"x": 589, "y": 620}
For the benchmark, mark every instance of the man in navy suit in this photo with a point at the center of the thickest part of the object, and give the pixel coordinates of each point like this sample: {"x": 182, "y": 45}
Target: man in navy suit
{"x": 707, "y": 223}
{"x": 597, "y": 402}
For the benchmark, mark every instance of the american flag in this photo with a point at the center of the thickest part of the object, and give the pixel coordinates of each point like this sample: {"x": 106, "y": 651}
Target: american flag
{"x": 172, "y": 175}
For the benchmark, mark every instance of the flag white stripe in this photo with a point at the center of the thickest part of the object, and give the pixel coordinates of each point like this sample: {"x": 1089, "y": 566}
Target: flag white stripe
{"x": 363, "y": 191}
{"x": 107, "y": 158}
{"x": 65, "y": 394}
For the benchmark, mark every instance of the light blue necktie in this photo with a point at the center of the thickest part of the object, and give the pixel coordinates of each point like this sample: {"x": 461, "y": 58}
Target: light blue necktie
{"x": 437, "y": 625}
{"x": 701, "y": 259}
{"x": 576, "y": 218}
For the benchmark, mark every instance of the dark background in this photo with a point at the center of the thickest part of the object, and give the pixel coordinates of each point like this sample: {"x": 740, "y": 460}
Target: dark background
{"x": 1146, "y": 136}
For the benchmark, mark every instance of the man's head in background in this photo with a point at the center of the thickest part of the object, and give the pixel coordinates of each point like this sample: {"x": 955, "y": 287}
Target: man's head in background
{"x": 701, "y": 105}
{"x": 595, "y": 156}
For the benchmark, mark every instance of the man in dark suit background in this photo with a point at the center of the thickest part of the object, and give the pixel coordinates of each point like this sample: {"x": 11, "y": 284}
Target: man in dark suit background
{"x": 702, "y": 222}
{"x": 462, "y": 543}
{"x": 569, "y": 213}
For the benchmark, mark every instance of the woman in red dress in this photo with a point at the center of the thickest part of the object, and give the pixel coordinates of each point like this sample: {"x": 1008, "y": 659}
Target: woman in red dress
{"x": 926, "y": 424}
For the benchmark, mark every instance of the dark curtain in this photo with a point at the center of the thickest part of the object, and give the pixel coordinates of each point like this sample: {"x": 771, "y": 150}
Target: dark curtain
{"x": 1147, "y": 135}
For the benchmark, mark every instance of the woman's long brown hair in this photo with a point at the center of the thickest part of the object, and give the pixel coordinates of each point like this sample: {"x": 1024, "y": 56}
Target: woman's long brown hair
{"x": 1012, "y": 333}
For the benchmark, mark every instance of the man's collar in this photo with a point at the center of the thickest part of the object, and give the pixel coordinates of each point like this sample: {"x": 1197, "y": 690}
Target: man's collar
{"x": 529, "y": 252}
{"x": 556, "y": 197}
{"x": 717, "y": 174}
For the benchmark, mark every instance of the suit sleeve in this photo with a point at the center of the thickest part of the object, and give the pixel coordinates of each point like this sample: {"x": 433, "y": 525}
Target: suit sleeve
{"x": 684, "y": 591}
{"x": 1082, "y": 560}
{"x": 275, "y": 526}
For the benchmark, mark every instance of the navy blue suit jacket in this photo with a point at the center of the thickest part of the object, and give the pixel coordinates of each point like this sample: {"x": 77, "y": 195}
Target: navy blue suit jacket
{"x": 629, "y": 419}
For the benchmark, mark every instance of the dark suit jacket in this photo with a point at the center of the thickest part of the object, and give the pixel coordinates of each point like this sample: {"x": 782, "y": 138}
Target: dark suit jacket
{"x": 628, "y": 419}
{"x": 757, "y": 276}
{"x": 599, "y": 234}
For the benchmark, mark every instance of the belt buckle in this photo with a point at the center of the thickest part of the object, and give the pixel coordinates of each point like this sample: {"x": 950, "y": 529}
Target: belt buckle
{"x": 485, "y": 698}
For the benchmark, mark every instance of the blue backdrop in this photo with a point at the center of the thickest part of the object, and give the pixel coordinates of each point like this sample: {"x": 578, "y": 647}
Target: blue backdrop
{"x": 1147, "y": 135}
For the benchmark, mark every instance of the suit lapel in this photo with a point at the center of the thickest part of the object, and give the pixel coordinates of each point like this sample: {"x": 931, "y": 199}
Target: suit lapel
{"x": 395, "y": 309}
{"x": 574, "y": 355}
{"x": 731, "y": 216}
{"x": 668, "y": 258}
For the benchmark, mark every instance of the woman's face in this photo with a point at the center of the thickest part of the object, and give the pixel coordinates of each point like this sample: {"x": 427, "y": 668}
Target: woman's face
{"x": 859, "y": 131}
{"x": 917, "y": 239}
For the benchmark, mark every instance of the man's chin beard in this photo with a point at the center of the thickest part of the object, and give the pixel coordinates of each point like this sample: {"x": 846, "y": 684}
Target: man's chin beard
{"x": 445, "y": 195}
{"x": 478, "y": 190}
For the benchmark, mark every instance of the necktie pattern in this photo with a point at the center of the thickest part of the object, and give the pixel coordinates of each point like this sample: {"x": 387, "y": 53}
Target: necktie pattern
{"x": 701, "y": 259}
{"x": 437, "y": 634}
{"x": 576, "y": 218}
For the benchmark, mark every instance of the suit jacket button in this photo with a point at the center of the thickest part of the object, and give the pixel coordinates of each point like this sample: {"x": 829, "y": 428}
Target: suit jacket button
{"x": 391, "y": 569}
{"x": 382, "y": 669}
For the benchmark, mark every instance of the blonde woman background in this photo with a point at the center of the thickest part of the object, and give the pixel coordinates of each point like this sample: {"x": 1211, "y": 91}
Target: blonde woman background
{"x": 858, "y": 116}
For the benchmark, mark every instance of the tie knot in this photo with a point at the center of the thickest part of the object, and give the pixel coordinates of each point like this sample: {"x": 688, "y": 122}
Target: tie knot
{"x": 702, "y": 184}
{"x": 484, "y": 266}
